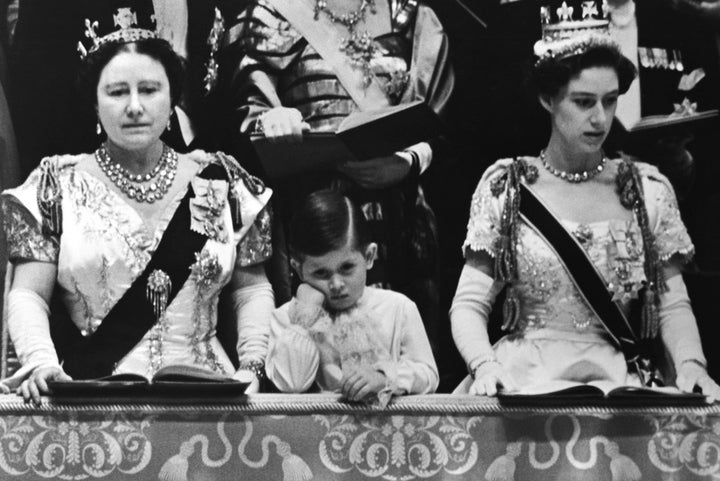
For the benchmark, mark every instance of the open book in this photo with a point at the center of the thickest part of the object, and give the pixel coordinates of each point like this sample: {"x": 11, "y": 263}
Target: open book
{"x": 660, "y": 126}
{"x": 559, "y": 391}
{"x": 170, "y": 380}
{"x": 361, "y": 135}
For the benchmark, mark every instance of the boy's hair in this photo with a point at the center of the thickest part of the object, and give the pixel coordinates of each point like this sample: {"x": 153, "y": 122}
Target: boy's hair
{"x": 323, "y": 223}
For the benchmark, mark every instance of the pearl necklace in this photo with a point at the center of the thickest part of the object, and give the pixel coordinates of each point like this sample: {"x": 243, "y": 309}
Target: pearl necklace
{"x": 142, "y": 188}
{"x": 574, "y": 177}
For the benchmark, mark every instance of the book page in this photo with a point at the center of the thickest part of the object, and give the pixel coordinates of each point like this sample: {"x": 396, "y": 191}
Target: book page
{"x": 187, "y": 373}
{"x": 558, "y": 387}
{"x": 362, "y": 117}
{"x": 656, "y": 121}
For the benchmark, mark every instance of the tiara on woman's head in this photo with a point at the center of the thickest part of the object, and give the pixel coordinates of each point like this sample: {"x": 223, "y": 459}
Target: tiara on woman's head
{"x": 568, "y": 35}
{"x": 126, "y": 19}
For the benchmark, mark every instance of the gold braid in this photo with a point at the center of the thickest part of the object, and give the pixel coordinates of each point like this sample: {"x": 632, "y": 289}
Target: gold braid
{"x": 632, "y": 196}
{"x": 630, "y": 191}
{"x": 505, "y": 247}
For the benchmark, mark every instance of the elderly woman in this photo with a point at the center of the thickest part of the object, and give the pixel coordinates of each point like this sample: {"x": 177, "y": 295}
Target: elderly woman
{"x": 136, "y": 240}
{"x": 577, "y": 238}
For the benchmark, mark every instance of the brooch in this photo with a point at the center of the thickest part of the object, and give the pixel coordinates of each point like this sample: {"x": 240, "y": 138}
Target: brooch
{"x": 157, "y": 291}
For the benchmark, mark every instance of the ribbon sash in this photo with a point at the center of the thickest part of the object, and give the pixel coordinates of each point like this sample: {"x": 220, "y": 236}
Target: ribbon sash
{"x": 326, "y": 38}
{"x": 132, "y": 316}
{"x": 583, "y": 272}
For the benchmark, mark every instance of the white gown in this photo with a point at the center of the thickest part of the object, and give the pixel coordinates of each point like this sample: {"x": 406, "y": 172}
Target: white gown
{"x": 105, "y": 245}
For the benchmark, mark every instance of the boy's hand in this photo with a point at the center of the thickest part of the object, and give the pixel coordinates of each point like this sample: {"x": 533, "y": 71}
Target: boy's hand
{"x": 361, "y": 382}
{"x": 309, "y": 295}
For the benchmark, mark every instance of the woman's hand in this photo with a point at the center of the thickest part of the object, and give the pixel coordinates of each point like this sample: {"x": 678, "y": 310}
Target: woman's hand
{"x": 283, "y": 124}
{"x": 691, "y": 374}
{"x": 489, "y": 376}
{"x": 377, "y": 173}
{"x": 361, "y": 382}
{"x": 36, "y": 385}
{"x": 246, "y": 375}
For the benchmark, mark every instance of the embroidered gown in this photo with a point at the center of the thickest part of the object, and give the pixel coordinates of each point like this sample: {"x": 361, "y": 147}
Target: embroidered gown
{"x": 280, "y": 68}
{"x": 558, "y": 337}
{"x": 105, "y": 245}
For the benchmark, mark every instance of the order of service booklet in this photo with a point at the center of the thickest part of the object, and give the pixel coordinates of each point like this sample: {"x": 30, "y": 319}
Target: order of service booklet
{"x": 183, "y": 380}
{"x": 554, "y": 392}
{"x": 362, "y": 135}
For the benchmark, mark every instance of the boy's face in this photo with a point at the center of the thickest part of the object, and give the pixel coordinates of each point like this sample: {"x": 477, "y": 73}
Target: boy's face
{"x": 340, "y": 274}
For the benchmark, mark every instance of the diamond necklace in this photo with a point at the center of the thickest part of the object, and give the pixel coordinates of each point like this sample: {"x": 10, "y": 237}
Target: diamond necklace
{"x": 359, "y": 48}
{"x": 142, "y": 188}
{"x": 574, "y": 177}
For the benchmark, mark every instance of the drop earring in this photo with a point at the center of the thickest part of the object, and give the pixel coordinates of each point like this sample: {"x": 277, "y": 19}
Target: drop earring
{"x": 169, "y": 125}
{"x": 98, "y": 128}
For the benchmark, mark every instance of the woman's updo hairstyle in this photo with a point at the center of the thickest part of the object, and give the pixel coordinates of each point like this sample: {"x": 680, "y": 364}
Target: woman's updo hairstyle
{"x": 323, "y": 223}
{"x": 155, "y": 48}
{"x": 547, "y": 77}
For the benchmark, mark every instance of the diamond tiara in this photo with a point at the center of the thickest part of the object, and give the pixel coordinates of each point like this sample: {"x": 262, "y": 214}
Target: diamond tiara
{"x": 569, "y": 36}
{"x": 126, "y": 19}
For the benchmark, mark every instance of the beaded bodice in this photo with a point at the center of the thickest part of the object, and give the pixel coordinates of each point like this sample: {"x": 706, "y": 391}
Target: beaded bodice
{"x": 550, "y": 303}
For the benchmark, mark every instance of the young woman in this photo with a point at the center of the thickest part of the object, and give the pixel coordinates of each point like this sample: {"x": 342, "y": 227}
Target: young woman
{"x": 623, "y": 215}
{"x": 136, "y": 240}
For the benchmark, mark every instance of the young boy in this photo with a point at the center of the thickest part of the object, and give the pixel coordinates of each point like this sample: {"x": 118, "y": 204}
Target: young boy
{"x": 366, "y": 343}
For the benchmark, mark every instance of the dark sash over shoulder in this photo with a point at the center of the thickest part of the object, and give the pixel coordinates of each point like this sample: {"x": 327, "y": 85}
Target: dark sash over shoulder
{"x": 93, "y": 356}
{"x": 588, "y": 280}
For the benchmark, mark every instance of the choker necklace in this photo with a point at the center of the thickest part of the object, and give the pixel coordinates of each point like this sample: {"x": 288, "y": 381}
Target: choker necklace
{"x": 574, "y": 177}
{"x": 142, "y": 188}
{"x": 359, "y": 48}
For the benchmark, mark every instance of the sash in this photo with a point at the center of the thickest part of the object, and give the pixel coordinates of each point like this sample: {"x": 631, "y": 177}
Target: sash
{"x": 133, "y": 315}
{"x": 587, "y": 279}
{"x": 326, "y": 38}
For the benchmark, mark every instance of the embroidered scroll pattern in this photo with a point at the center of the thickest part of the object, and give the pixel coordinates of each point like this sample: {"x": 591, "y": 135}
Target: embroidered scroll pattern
{"x": 398, "y": 447}
{"x": 70, "y": 449}
{"x": 686, "y": 443}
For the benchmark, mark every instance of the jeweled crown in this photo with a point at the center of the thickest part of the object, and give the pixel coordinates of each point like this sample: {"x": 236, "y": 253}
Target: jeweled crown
{"x": 125, "y": 27}
{"x": 571, "y": 30}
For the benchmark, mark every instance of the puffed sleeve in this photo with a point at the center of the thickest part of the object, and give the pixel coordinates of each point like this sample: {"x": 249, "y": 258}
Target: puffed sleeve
{"x": 671, "y": 236}
{"x": 413, "y": 370}
{"x": 250, "y": 200}
{"x": 293, "y": 357}
{"x": 485, "y": 212}
{"x": 256, "y": 246}
{"x": 23, "y": 224}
